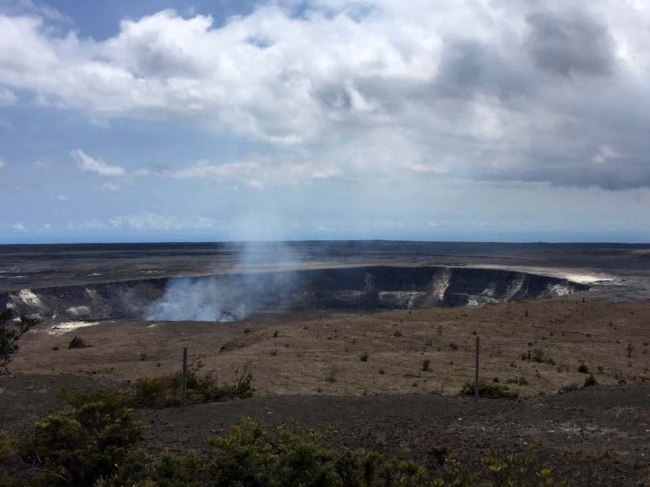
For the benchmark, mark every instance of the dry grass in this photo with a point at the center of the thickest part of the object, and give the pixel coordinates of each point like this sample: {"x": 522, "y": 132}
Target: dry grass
{"x": 298, "y": 358}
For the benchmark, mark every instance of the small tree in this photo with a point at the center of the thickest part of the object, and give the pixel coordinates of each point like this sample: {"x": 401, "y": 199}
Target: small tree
{"x": 10, "y": 333}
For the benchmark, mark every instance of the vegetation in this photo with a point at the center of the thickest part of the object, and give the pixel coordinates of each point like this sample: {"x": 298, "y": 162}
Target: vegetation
{"x": 331, "y": 375}
{"x": 521, "y": 381}
{"x": 591, "y": 381}
{"x": 490, "y": 389}
{"x": 98, "y": 443}
{"x": 537, "y": 356}
{"x": 81, "y": 445}
{"x": 364, "y": 357}
{"x": 10, "y": 334}
{"x": 426, "y": 365}
{"x": 8, "y": 446}
{"x": 583, "y": 369}
{"x": 167, "y": 391}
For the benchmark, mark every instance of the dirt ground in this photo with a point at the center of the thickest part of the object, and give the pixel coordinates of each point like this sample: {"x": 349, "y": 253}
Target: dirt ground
{"x": 307, "y": 354}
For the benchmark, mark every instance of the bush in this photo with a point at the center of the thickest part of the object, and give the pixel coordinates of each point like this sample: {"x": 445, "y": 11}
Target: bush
{"x": 142, "y": 470}
{"x": 490, "y": 389}
{"x": 331, "y": 375}
{"x": 521, "y": 381}
{"x": 250, "y": 455}
{"x": 10, "y": 334}
{"x": 95, "y": 444}
{"x": 583, "y": 369}
{"x": 364, "y": 357}
{"x": 426, "y": 365}
{"x": 167, "y": 391}
{"x": 81, "y": 445}
{"x": 8, "y": 446}
{"x": 591, "y": 381}
{"x": 78, "y": 342}
{"x": 537, "y": 356}
{"x": 519, "y": 470}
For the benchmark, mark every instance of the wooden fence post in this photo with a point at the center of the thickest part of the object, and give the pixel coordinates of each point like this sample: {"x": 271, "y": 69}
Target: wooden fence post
{"x": 478, "y": 341}
{"x": 184, "y": 377}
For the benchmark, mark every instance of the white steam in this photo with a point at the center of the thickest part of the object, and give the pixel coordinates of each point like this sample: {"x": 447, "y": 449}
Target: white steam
{"x": 194, "y": 300}
{"x": 248, "y": 289}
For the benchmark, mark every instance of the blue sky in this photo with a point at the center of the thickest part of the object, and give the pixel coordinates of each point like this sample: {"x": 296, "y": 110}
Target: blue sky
{"x": 324, "y": 119}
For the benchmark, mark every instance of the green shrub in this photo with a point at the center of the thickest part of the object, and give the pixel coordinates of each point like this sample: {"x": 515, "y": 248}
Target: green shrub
{"x": 10, "y": 334}
{"x": 583, "y": 369}
{"x": 521, "y": 381}
{"x": 251, "y": 455}
{"x": 426, "y": 365}
{"x": 87, "y": 442}
{"x": 96, "y": 444}
{"x": 167, "y": 391}
{"x": 330, "y": 376}
{"x": 517, "y": 470}
{"x": 142, "y": 470}
{"x": 537, "y": 356}
{"x": 591, "y": 381}
{"x": 8, "y": 446}
{"x": 490, "y": 389}
{"x": 364, "y": 357}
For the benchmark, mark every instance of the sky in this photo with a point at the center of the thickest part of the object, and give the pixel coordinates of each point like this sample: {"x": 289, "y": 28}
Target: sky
{"x": 475, "y": 120}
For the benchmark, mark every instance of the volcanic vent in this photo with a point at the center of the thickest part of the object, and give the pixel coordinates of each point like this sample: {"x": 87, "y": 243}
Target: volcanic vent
{"x": 233, "y": 296}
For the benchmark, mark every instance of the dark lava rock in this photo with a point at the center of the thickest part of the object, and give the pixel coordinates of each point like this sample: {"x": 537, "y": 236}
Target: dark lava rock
{"x": 78, "y": 342}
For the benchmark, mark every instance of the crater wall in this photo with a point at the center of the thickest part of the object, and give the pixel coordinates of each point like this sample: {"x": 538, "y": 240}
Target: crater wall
{"x": 234, "y": 296}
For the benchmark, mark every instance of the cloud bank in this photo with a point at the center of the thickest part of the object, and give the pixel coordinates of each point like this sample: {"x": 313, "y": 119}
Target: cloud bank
{"x": 489, "y": 90}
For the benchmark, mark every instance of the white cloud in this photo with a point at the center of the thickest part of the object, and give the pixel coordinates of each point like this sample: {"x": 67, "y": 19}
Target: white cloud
{"x": 113, "y": 188}
{"x": 32, "y": 8}
{"x": 605, "y": 153}
{"x": 481, "y": 89}
{"x": 157, "y": 221}
{"x": 43, "y": 164}
{"x": 95, "y": 224}
{"x": 62, "y": 198}
{"x": 258, "y": 172}
{"x": 18, "y": 227}
{"x": 7, "y": 97}
{"x": 87, "y": 163}
{"x": 2, "y": 163}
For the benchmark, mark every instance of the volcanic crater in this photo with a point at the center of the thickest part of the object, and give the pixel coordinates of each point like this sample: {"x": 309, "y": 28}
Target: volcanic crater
{"x": 230, "y": 297}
